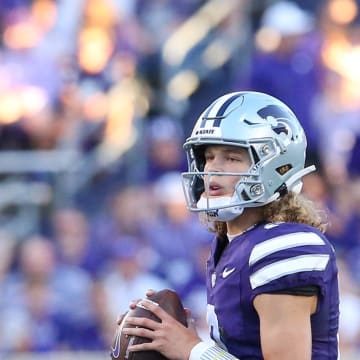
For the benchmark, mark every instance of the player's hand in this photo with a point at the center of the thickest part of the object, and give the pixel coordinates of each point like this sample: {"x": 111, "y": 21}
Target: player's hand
{"x": 169, "y": 337}
{"x": 132, "y": 305}
{"x": 149, "y": 293}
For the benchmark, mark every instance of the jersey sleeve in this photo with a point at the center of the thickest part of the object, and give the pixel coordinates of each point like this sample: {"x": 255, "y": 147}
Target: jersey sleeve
{"x": 290, "y": 260}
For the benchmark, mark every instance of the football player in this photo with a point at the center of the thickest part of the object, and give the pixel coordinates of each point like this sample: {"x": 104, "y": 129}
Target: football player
{"x": 272, "y": 283}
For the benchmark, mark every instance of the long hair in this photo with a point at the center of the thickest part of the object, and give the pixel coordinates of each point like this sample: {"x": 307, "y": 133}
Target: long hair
{"x": 291, "y": 207}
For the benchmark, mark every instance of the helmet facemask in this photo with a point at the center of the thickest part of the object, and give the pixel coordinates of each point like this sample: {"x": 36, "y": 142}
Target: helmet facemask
{"x": 248, "y": 188}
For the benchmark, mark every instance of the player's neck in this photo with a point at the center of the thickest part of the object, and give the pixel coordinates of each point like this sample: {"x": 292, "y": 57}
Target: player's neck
{"x": 249, "y": 218}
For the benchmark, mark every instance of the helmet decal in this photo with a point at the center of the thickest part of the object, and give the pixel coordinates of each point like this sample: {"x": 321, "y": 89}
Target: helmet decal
{"x": 221, "y": 106}
{"x": 216, "y": 111}
{"x": 274, "y": 111}
{"x": 210, "y": 121}
{"x": 275, "y": 114}
{"x": 216, "y": 121}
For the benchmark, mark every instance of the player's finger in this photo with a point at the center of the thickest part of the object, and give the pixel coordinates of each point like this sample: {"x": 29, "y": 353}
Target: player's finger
{"x": 133, "y": 303}
{"x": 142, "y": 347}
{"x": 141, "y": 322}
{"x": 150, "y": 292}
{"x": 154, "y": 308}
{"x": 139, "y": 331}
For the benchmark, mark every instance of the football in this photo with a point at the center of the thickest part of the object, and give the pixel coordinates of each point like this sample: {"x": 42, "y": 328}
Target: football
{"x": 170, "y": 301}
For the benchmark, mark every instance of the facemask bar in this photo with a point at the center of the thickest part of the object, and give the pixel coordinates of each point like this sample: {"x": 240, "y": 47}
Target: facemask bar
{"x": 248, "y": 189}
{"x": 259, "y": 151}
{"x": 249, "y": 184}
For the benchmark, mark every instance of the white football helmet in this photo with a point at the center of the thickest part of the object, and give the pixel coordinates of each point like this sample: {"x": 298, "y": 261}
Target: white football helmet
{"x": 276, "y": 144}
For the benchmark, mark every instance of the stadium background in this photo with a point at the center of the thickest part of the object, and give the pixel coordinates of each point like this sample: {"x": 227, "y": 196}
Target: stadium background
{"x": 96, "y": 98}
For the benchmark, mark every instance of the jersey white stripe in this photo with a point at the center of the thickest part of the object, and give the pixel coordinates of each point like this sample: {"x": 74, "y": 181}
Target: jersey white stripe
{"x": 214, "y": 110}
{"x": 283, "y": 242}
{"x": 288, "y": 266}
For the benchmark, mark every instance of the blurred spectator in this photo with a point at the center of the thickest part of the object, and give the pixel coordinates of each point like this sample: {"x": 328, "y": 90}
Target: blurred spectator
{"x": 286, "y": 63}
{"x": 352, "y": 233}
{"x": 103, "y": 318}
{"x": 354, "y": 159}
{"x": 7, "y": 252}
{"x": 175, "y": 231}
{"x": 336, "y": 111}
{"x": 128, "y": 275}
{"x": 164, "y": 150}
{"x": 73, "y": 244}
{"x": 7, "y": 328}
{"x": 40, "y": 293}
{"x": 29, "y": 301}
{"x": 126, "y": 213}
{"x": 349, "y": 327}
{"x": 337, "y": 209}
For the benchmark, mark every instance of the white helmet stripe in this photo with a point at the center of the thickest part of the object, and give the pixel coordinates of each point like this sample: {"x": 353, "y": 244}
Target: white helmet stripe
{"x": 213, "y": 111}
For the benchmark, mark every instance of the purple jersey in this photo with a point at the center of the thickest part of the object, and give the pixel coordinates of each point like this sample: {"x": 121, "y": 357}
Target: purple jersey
{"x": 266, "y": 259}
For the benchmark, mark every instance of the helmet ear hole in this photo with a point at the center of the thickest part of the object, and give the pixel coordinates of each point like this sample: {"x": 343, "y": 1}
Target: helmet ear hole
{"x": 254, "y": 154}
{"x": 197, "y": 187}
{"x": 199, "y": 156}
{"x": 245, "y": 195}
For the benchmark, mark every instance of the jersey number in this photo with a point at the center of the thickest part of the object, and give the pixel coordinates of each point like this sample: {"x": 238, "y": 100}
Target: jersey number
{"x": 213, "y": 323}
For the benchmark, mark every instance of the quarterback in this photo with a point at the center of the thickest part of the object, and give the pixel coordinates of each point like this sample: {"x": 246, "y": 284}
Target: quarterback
{"x": 272, "y": 285}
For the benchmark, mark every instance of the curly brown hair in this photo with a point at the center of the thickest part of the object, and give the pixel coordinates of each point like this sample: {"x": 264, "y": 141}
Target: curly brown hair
{"x": 291, "y": 207}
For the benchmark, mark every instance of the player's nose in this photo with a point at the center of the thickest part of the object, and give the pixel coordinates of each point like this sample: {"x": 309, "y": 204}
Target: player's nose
{"x": 215, "y": 165}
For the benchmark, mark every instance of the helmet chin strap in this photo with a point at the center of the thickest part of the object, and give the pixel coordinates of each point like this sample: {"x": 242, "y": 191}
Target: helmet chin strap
{"x": 223, "y": 214}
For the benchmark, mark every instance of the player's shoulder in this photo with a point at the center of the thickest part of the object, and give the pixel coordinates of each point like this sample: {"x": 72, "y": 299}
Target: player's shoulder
{"x": 287, "y": 255}
{"x": 288, "y": 238}
{"x": 287, "y": 230}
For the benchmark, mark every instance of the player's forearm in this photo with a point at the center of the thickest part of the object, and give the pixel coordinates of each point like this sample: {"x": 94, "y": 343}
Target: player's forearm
{"x": 203, "y": 351}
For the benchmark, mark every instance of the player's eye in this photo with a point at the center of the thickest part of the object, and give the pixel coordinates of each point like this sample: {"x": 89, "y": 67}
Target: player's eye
{"x": 209, "y": 157}
{"x": 234, "y": 158}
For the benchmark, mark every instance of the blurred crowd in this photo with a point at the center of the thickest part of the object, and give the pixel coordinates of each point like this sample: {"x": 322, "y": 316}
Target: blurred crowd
{"x": 96, "y": 100}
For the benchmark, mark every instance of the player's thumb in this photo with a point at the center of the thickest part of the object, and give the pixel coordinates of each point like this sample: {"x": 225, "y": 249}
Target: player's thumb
{"x": 190, "y": 320}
